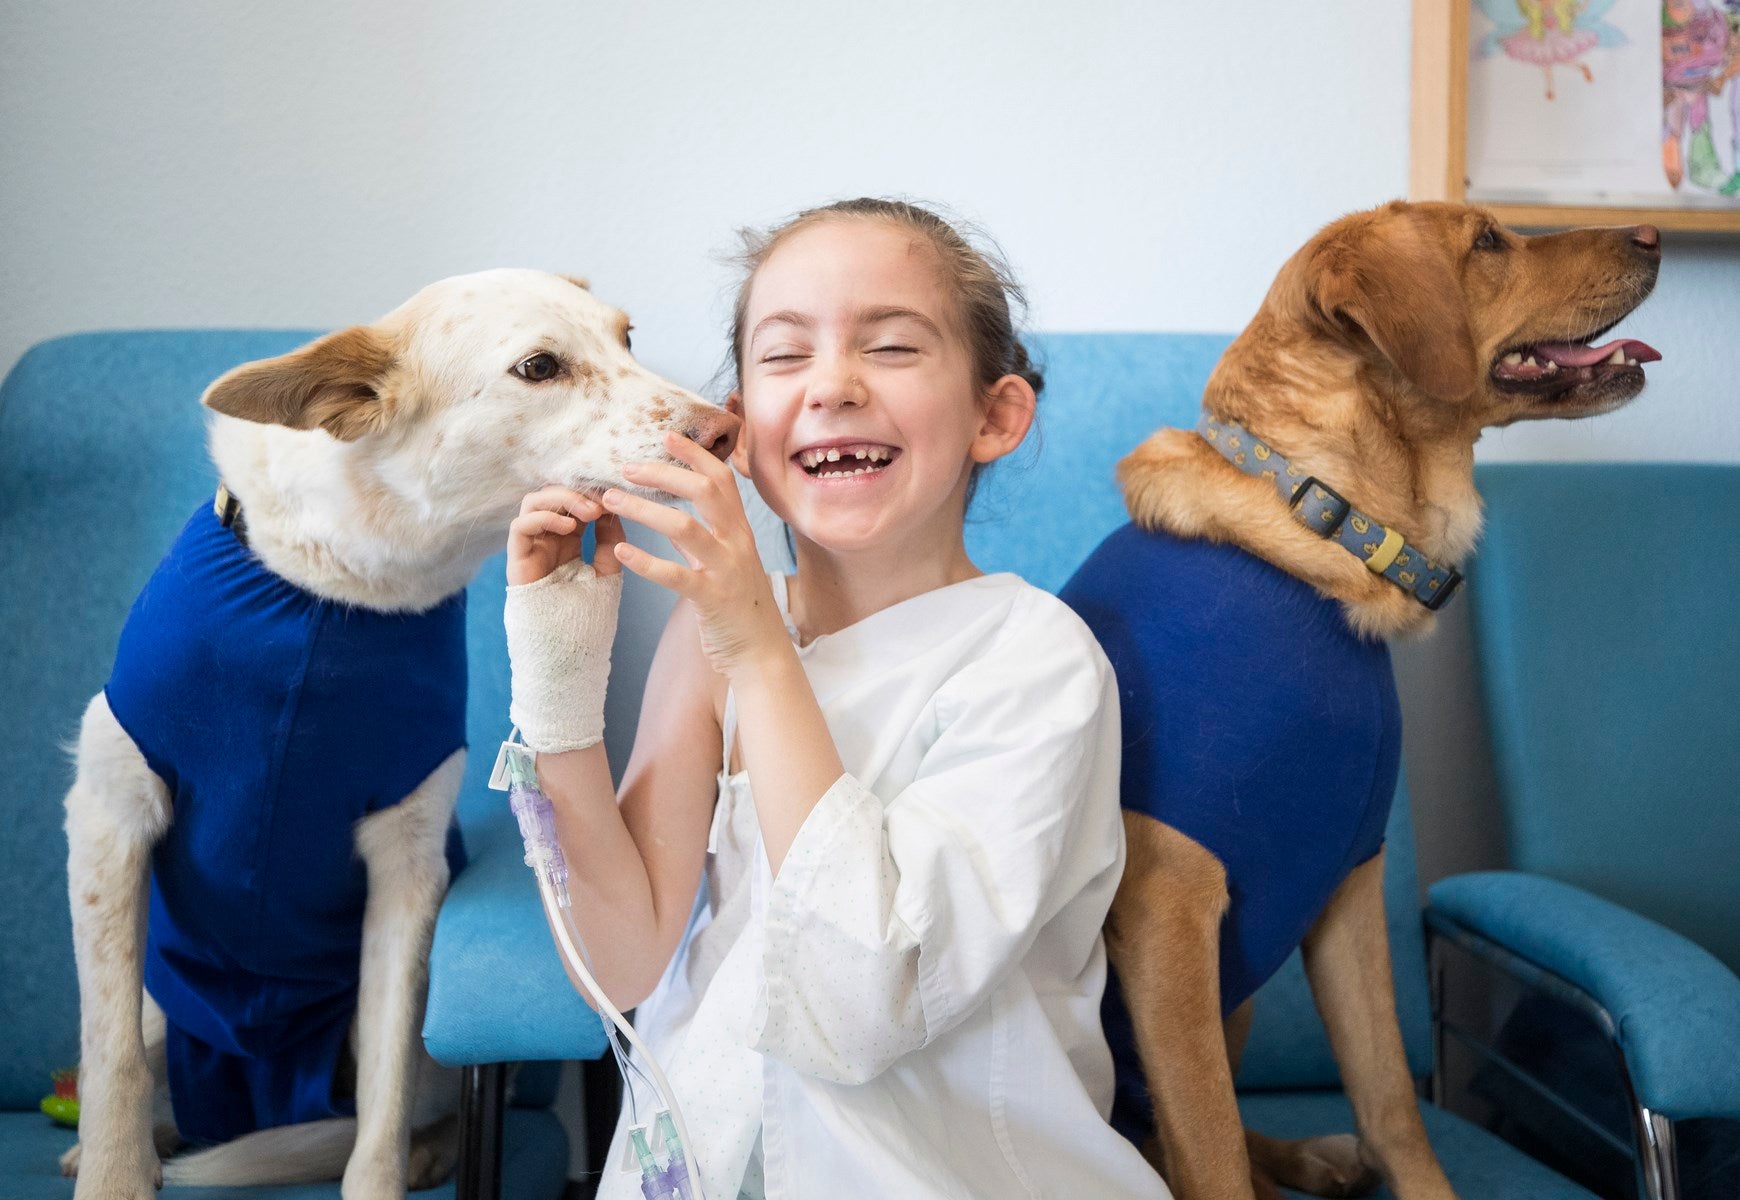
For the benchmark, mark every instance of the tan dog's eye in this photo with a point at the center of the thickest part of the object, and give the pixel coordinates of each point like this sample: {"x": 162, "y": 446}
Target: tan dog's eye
{"x": 1488, "y": 239}
{"x": 538, "y": 368}
{"x": 627, "y": 342}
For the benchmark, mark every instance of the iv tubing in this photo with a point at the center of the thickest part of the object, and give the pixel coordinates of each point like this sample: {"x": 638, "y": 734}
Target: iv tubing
{"x": 562, "y": 922}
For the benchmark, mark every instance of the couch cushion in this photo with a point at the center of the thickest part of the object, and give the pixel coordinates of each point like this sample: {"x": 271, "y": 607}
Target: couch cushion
{"x": 534, "y": 1164}
{"x": 1478, "y": 1164}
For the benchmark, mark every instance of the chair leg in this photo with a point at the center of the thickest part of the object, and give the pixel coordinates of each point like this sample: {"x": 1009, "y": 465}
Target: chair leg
{"x": 1657, "y": 1160}
{"x": 601, "y": 1085}
{"x": 1436, "y": 979}
{"x": 482, "y": 1096}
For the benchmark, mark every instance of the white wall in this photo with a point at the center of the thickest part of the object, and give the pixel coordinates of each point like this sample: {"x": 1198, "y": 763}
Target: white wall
{"x": 1147, "y": 166}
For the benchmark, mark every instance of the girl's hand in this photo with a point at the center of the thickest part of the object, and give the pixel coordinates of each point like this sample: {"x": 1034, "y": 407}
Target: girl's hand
{"x": 740, "y": 624}
{"x": 548, "y": 531}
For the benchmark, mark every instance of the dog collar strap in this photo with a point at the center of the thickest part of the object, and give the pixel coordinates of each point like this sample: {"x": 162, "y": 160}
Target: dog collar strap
{"x": 1325, "y": 512}
{"x": 229, "y": 513}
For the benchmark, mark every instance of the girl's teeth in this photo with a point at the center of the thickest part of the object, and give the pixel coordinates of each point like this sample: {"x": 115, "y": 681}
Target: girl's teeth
{"x": 833, "y": 455}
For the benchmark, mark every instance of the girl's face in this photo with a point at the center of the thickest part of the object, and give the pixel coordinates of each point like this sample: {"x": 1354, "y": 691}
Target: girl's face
{"x": 861, "y": 417}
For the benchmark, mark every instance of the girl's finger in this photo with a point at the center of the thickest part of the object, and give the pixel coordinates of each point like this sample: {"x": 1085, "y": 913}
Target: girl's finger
{"x": 716, "y": 500}
{"x": 543, "y": 520}
{"x": 686, "y": 533}
{"x": 678, "y": 481}
{"x": 561, "y": 499}
{"x": 661, "y": 571}
{"x": 608, "y": 532}
{"x": 689, "y": 451}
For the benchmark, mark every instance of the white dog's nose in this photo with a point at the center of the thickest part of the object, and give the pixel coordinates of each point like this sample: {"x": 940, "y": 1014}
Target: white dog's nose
{"x": 716, "y": 430}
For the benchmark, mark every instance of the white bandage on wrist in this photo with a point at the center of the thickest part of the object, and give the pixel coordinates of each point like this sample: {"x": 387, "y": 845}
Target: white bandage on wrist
{"x": 559, "y": 631}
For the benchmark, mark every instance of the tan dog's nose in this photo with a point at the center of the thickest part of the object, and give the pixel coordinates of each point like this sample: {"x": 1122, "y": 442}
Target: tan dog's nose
{"x": 1646, "y": 238}
{"x": 716, "y": 432}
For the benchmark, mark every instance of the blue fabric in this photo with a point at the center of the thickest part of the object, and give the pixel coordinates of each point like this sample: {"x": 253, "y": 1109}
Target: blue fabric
{"x": 1609, "y": 682}
{"x": 278, "y": 720}
{"x": 1676, "y": 1006}
{"x": 1288, "y": 1048}
{"x": 1257, "y": 723}
{"x": 1479, "y": 1165}
{"x": 534, "y": 1164}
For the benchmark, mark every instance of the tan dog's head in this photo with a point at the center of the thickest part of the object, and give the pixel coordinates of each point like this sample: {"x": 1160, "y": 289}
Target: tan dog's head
{"x": 1446, "y": 307}
{"x": 477, "y": 390}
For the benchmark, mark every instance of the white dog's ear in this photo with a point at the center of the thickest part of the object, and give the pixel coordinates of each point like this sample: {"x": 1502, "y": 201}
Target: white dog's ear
{"x": 338, "y": 383}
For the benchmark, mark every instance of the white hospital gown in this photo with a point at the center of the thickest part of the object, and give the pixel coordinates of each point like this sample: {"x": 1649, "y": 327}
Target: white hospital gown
{"x": 912, "y": 1008}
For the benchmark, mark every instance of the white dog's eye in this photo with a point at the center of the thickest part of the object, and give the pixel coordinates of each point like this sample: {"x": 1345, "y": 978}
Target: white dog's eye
{"x": 538, "y": 368}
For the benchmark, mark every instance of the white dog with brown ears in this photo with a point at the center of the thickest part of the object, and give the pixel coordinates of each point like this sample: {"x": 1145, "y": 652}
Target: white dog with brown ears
{"x": 276, "y": 758}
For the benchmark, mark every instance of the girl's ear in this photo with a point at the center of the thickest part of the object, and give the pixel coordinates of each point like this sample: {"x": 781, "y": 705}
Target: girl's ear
{"x": 1010, "y": 404}
{"x": 739, "y": 453}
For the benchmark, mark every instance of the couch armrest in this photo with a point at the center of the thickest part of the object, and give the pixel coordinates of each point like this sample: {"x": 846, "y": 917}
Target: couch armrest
{"x": 1672, "y": 1008}
{"x": 497, "y": 990}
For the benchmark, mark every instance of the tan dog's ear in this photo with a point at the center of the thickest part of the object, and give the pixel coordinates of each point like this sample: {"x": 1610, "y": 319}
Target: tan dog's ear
{"x": 1401, "y": 291}
{"x": 337, "y": 384}
{"x": 579, "y": 281}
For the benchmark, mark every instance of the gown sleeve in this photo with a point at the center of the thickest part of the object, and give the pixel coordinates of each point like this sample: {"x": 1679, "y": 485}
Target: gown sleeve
{"x": 890, "y": 922}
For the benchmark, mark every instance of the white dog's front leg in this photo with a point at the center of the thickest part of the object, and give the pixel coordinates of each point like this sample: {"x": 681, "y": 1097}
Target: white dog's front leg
{"x": 116, "y": 811}
{"x": 404, "y": 849}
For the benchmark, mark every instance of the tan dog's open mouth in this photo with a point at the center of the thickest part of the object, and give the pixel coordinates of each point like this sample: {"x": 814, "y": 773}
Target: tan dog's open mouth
{"x": 1573, "y": 369}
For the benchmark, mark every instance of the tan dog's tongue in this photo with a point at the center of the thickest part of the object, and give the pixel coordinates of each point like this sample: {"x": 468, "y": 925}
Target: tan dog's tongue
{"x": 1569, "y": 354}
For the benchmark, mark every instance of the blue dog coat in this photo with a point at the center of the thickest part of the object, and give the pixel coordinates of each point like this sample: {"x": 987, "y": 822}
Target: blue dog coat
{"x": 1257, "y": 723}
{"x": 278, "y": 720}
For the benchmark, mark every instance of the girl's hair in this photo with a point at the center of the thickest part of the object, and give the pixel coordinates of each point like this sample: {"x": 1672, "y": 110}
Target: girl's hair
{"x": 984, "y": 289}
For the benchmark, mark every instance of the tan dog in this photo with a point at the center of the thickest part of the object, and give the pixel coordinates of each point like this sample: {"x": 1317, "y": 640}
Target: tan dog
{"x": 369, "y": 475}
{"x": 1383, "y": 349}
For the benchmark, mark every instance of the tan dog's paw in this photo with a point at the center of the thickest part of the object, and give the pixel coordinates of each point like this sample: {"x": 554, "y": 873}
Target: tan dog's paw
{"x": 434, "y": 1154}
{"x": 1323, "y": 1166}
{"x": 69, "y": 1162}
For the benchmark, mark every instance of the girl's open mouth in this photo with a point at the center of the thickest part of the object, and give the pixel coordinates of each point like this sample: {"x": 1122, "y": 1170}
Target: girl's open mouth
{"x": 841, "y": 461}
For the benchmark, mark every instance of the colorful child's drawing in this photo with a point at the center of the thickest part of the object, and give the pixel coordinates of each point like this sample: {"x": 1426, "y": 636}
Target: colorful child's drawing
{"x": 1700, "y": 60}
{"x": 1549, "y": 33}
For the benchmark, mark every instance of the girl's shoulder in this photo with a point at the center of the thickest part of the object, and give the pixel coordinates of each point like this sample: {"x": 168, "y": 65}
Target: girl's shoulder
{"x": 1036, "y": 618}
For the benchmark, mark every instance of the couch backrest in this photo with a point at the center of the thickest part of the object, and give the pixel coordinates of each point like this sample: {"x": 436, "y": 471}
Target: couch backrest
{"x": 102, "y": 457}
{"x": 1605, "y": 612}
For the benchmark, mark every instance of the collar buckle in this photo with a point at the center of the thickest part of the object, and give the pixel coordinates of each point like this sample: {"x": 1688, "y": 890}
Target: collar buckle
{"x": 1319, "y": 507}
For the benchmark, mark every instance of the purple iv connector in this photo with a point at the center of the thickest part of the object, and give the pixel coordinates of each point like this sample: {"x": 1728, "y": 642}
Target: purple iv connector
{"x": 538, "y": 827}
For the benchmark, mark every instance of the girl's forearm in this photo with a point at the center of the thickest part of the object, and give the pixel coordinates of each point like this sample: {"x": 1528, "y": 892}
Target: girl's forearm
{"x": 607, "y": 876}
{"x": 787, "y": 747}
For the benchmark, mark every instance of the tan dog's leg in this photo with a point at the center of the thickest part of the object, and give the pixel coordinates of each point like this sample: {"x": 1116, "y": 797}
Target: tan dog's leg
{"x": 1163, "y": 937}
{"x": 403, "y": 848}
{"x": 116, "y": 811}
{"x": 1347, "y": 959}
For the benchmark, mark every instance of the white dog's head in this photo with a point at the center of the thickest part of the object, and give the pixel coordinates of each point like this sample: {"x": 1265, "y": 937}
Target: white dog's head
{"x": 477, "y": 390}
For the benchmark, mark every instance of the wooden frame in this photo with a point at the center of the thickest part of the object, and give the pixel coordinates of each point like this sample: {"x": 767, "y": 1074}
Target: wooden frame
{"x": 1438, "y": 146}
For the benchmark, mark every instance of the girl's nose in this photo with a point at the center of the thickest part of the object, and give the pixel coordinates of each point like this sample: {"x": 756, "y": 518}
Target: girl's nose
{"x": 836, "y": 389}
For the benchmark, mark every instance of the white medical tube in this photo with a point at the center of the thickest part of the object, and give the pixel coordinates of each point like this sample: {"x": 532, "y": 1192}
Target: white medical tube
{"x": 568, "y": 937}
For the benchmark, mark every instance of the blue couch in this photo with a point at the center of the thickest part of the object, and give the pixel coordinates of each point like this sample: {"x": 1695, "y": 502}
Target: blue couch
{"x": 101, "y": 458}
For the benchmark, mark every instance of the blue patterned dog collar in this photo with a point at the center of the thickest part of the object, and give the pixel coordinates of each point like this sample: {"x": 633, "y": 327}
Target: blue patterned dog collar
{"x": 1323, "y": 510}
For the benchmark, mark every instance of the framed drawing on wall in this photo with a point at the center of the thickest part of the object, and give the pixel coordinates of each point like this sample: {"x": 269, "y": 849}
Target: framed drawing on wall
{"x": 1580, "y": 112}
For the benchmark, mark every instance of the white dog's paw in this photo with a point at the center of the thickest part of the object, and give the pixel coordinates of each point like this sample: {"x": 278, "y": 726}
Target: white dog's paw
{"x": 111, "y": 1182}
{"x": 434, "y": 1154}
